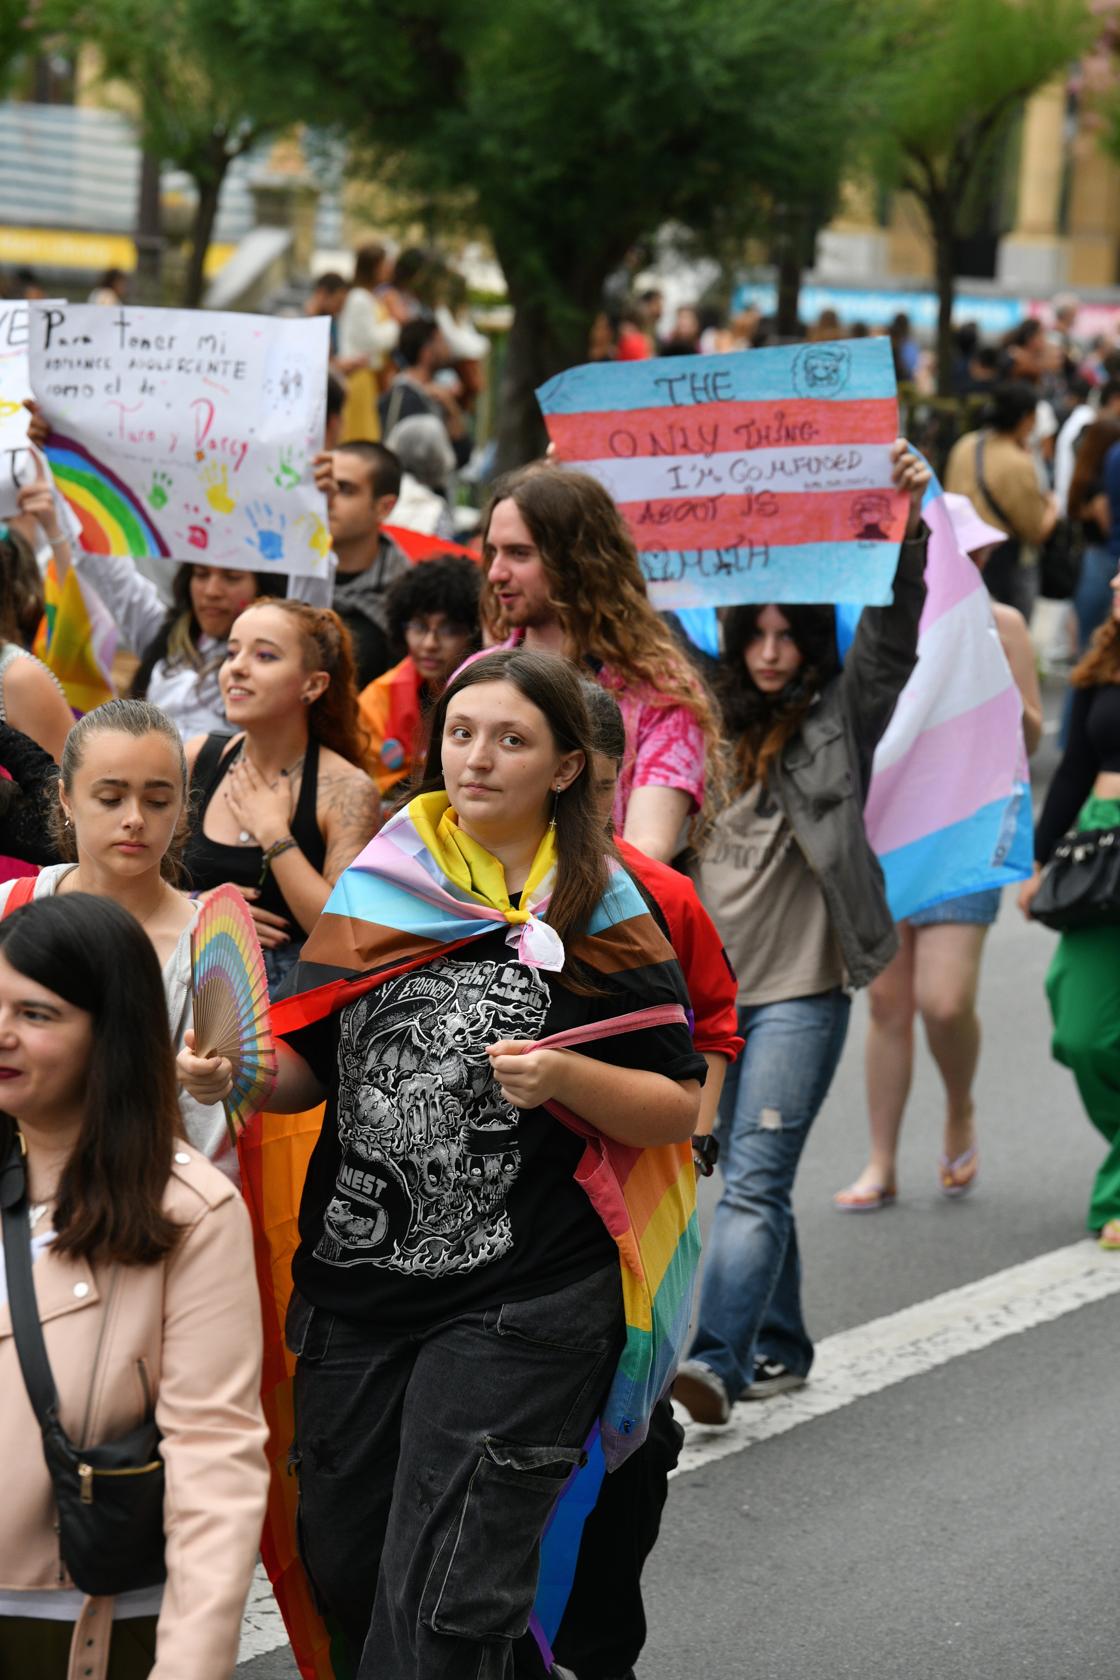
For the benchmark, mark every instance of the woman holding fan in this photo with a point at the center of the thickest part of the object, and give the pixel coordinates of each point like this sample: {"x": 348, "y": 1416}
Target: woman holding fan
{"x": 120, "y": 824}
{"x": 458, "y": 1315}
{"x": 284, "y": 805}
{"x": 129, "y": 1260}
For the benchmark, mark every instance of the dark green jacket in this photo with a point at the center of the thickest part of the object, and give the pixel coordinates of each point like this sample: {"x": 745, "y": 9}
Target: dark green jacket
{"x": 822, "y": 777}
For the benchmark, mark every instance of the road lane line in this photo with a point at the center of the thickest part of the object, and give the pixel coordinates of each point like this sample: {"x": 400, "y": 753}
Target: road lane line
{"x": 885, "y": 1351}
{"x": 857, "y": 1362}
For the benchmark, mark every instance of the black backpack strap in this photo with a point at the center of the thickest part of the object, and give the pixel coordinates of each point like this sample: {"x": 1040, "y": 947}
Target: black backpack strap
{"x": 982, "y": 486}
{"x": 27, "y": 1331}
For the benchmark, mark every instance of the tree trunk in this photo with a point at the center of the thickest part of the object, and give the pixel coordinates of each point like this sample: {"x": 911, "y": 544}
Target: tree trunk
{"x": 942, "y": 223}
{"x": 149, "y": 233}
{"x": 541, "y": 343}
{"x": 787, "y": 321}
{"x": 205, "y": 215}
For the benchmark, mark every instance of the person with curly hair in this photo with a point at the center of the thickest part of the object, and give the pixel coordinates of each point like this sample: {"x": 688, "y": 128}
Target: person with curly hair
{"x": 1083, "y": 981}
{"x": 791, "y": 882}
{"x": 563, "y": 576}
{"x": 433, "y": 612}
{"x": 285, "y": 804}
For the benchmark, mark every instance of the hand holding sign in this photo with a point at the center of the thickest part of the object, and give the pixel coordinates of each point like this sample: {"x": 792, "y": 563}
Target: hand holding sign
{"x": 185, "y": 433}
{"x": 761, "y": 475}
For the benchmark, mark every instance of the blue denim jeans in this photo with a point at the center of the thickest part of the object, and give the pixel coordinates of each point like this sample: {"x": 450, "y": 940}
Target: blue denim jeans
{"x": 750, "y": 1300}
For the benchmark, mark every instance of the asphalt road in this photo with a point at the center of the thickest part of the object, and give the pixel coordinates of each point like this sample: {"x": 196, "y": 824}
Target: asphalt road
{"x": 957, "y": 1523}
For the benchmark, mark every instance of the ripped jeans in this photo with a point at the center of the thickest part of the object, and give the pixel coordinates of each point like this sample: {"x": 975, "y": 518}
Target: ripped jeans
{"x": 750, "y": 1298}
{"x": 429, "y": 1465}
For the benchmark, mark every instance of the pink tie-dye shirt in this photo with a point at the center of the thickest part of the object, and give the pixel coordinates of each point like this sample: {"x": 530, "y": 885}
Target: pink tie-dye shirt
{"x": 664, "y": 742}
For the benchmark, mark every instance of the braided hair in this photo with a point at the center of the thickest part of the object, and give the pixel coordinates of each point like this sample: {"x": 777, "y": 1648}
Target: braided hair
{"x": 333, "y": 719}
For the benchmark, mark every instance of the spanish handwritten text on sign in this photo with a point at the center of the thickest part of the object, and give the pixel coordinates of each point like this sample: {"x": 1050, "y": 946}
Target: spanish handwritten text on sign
{"x": 186, "y": 433}
{"x": 762, "y": 475}
{"x": 17, "y": 466}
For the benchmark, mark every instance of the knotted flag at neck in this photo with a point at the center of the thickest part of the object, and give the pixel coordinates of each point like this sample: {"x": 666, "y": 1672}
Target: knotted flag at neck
{"x": 422, "y": 885}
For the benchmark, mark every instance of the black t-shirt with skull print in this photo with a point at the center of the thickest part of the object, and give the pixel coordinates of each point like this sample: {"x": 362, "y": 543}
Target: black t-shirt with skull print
{"x": 427, "y": 1194}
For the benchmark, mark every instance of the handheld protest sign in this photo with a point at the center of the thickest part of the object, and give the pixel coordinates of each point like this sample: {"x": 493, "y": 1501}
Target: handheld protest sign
{"x": 760, "y": 475}
{"x": 185, "y": 433}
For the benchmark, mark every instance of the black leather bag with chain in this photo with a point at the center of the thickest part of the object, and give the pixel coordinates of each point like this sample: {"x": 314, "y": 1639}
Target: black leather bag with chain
{"x": 110, "y": 1497}
{"x": 1081, "y": 883}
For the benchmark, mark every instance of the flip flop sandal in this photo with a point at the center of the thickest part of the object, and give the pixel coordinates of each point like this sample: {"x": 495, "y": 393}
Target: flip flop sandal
{"x": 1109, "y": 1238}
{"x": 957, "y": 1177}
{"x": 871, "y": 1199}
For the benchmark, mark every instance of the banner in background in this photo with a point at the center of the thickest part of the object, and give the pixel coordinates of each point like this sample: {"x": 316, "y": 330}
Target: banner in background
{"x": 761, "y": 475}
{"x": 186, "y": 434}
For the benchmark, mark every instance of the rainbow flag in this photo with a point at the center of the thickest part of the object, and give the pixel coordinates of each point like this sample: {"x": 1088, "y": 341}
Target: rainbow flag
{"x": 949, "y": 807}
{"x": 77, "y": 640}
{"x": 396, "y": 908}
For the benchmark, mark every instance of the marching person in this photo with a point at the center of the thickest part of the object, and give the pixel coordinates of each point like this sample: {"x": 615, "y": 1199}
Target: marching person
{"x": 284, "y": 804}
{"x": 433, "y": 612}
{"x": 936, "y": 971}
{"x": 457, "y": 1313}
{"x": 562, "y": 576}
{"x": 1083, "y": 981}
{"x": 791, "y": 882}
{"x": 142, "y": 1271}
{"x": 119, "y": 822}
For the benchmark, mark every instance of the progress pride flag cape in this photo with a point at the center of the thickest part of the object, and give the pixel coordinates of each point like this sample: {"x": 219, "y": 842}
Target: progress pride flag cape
{"x": 402, "y": 903}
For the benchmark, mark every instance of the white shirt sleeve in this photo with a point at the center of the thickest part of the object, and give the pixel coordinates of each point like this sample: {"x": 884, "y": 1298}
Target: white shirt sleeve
{"x": 133, "y": 601}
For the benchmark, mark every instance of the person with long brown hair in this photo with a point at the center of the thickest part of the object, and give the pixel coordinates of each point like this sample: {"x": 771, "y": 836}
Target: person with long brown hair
{"x": 563, "y": 576}
{"x": 1083, "y": 981}
{"x": 119, "y": 819}
{"x": 284, "y": 804}
{"x": 789, "y": 878}
{"x": 457, "y": 1313}
{"x": 141, "y": 1266}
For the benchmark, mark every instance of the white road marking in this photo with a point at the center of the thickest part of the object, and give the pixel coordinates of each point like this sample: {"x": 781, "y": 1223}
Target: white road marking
{"x": 857, "y": 1362}
{"x": 884, "y": 1351}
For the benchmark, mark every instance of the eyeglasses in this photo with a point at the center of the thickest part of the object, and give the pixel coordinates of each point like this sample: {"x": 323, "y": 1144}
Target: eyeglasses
{"x": 445, "y": 632}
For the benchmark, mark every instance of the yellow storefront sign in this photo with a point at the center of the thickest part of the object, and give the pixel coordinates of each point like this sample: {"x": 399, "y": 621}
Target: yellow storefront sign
{"x": 91, "y": 252}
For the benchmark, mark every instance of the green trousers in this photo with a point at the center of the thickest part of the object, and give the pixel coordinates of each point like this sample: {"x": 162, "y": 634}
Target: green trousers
{"x": 1083, "y": 987}
{"x": 31, "y": 1649}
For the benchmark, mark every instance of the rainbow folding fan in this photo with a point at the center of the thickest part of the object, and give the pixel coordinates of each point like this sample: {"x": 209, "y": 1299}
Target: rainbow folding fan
{"x": 231, "y": 1001}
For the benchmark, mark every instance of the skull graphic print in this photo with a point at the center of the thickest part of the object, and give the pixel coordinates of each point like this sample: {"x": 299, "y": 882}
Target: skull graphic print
{"x": 429, "y": 1147}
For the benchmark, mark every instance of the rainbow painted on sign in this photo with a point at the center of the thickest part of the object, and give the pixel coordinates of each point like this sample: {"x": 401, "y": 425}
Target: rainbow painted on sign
{"x": 111, "y": 517}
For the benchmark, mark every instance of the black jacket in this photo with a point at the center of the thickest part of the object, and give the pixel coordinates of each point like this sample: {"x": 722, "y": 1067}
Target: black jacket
{"x": 823, "y": 774}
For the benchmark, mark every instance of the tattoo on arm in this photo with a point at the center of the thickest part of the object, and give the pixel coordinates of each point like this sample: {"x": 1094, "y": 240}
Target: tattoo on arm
{"x": 349, "y": 815}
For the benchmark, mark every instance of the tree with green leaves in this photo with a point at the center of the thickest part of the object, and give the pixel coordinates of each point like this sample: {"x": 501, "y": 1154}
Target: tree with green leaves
{"x": 569, "y": 130}
{"x": 185, "y": 97}
{"x": 961, "y": 74}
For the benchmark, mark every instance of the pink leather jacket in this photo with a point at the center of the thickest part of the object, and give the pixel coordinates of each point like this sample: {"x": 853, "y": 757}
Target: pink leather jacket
{"x": 187, "y": 1331}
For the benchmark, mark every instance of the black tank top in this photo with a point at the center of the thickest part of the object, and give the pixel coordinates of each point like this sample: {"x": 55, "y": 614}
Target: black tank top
{"x": 207, "y": 863}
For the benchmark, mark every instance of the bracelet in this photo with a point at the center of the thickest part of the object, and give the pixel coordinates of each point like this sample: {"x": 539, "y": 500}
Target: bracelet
{"x": 56, "y": 537}
{"x": 277, "y": 849}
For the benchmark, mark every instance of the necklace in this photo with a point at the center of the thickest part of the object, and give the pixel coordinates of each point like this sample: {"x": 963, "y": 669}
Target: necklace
{"x": 36, "y": 1212}
{"x": 245, "y": 838}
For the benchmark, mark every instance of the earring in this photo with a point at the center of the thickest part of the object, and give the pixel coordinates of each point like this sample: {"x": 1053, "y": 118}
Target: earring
{"x": 555, "y": 803}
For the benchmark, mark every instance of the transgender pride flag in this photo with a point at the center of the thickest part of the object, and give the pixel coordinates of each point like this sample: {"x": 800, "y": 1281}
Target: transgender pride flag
{"x": 949, "y": 810}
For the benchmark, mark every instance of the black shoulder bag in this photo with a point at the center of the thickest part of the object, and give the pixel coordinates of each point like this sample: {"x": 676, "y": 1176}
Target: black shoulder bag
{"x": 1081, "y": 883}
{"x": 109, "y": 1498}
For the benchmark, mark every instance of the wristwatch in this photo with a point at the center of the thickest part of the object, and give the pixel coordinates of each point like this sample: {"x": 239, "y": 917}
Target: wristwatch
{"x": 705, "y": 1152}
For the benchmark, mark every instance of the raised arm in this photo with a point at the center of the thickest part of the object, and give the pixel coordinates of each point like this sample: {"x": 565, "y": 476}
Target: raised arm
{"x": 885, "y": 649}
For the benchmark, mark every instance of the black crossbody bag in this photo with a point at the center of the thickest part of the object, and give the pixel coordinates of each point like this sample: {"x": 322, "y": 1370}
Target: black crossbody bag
{"x": 109, "y": 1498}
